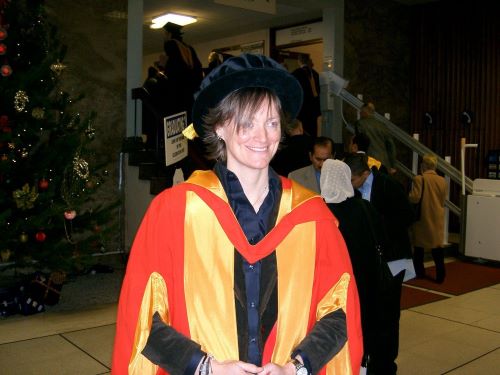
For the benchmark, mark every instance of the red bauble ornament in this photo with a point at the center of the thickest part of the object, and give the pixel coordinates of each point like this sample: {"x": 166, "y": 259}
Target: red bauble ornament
{"x": 5, "y": 70}
{"x": 69, "y": 214}
{"x": 4, "y": 121}
{"x": 40, "y": 236}
{"x": 3, "y": 49}
{"x": 43, "y": 184}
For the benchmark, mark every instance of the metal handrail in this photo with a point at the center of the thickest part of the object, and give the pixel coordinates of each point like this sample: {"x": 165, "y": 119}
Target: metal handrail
{"x": 409, "y": 141}
{"x": 337, "y": 86}
{"x": 408, "y": 173}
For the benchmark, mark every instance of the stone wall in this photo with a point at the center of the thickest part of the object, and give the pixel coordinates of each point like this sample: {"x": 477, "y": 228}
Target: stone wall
{"x": 377, "y": 55}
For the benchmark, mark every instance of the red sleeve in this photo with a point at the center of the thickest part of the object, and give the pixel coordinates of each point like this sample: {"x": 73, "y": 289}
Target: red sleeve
{"x": 157, "y": 248}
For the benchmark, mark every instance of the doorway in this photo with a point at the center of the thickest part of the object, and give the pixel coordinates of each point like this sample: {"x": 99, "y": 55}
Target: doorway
{"x": 289, "y": 55}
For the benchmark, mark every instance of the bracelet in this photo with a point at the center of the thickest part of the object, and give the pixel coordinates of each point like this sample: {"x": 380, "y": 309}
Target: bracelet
{"x": 201, "y": 369}
{"x": 206, "y": 365}
{"x": 210, "y": 357}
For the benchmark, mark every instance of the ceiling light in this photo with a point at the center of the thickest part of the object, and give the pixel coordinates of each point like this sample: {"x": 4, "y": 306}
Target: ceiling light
{"x": 159, "y": 22}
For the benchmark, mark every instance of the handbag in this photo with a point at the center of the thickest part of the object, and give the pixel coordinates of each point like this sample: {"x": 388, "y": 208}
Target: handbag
{"x": 417, "y": 207}
{"x": 384, "y": 274}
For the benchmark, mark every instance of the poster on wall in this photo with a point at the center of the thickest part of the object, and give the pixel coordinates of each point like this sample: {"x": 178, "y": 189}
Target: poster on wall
{"x": 255, "y": 47}
{"x": 252, "y": 47}
{"x": 176, "y": 146}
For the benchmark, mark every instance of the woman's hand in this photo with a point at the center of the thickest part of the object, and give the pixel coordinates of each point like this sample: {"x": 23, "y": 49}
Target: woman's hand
{"x": 234, "y": 367}
{"x": 274, "y": 369}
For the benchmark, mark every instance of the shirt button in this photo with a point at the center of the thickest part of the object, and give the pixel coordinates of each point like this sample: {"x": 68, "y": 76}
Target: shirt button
{"x": 253, "y": 339}
{"x": 252, "y": 305}
{"x": 251, "y": 266}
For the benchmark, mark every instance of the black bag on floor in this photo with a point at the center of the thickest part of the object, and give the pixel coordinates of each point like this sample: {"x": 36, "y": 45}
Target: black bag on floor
{"x": 8, "y": 302}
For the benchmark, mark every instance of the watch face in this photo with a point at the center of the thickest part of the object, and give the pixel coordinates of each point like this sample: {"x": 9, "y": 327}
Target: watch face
{"x": 301, "y": 371}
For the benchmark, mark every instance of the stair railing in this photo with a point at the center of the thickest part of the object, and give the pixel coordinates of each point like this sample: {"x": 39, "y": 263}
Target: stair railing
{"x": 337, "y": 86}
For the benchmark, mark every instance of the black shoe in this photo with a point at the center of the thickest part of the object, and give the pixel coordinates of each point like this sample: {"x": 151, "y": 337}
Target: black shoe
{"x": 439, "y": 279}
{"x": 438, "y": 256}
{"x": 418, "y": 262}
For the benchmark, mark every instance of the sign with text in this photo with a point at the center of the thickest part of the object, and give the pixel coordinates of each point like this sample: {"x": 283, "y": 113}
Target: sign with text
{"x": 264, "y": 6}
{"x": 176, "y": 146}
{"x": 302, "y": 33}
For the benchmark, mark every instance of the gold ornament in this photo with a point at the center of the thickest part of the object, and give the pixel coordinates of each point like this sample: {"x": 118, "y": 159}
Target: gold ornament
{"x": 20, "y": 100}
{"x": 25, "y": 198}
{"x": 11, "y": 145}
{"x": 38, "y": 113}
{"x": 90, "y": 130}
{"x": 5, "y": 255}
{"x": 23, "y": 237}
{"x": 74, "y": 120}
{"x": 81, "y": 167}
{"x": 24, "y": 153}
{"x": 57, "y": 67}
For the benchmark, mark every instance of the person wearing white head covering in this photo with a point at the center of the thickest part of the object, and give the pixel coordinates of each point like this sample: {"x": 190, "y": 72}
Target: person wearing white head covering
{"x": 356, "y": 216}
{"x": 335, "y": 181}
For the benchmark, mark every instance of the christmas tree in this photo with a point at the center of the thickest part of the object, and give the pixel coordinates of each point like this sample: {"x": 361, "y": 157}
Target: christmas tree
{"x": 48, "y": 172}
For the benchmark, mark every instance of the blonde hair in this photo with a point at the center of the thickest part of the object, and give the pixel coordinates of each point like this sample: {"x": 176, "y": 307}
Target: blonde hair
{"x": 429, "y": 161}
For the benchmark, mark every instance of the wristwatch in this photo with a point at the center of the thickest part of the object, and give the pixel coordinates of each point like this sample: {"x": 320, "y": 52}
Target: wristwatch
{"x": 300, "y": 369}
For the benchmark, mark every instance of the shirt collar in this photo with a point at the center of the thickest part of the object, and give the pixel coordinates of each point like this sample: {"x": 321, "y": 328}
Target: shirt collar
{"x": 366, "y": 188}
{"x": 230, "y": 181}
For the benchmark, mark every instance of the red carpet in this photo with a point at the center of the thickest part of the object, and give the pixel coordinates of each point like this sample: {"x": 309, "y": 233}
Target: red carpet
{"x": 411, "y": 297}
{"x": 461, "y": 277}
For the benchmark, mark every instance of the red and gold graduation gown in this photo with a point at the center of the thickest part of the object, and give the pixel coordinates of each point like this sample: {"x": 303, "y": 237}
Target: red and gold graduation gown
{"x": 182, "y": 266}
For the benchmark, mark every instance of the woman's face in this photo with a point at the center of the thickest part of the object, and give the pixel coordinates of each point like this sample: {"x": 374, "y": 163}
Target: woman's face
{"x": 253, "y": 145}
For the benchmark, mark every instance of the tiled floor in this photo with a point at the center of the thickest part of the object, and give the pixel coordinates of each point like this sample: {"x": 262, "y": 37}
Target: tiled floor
{"x": 458, "y": 335}
{"x": 57, "y": 343}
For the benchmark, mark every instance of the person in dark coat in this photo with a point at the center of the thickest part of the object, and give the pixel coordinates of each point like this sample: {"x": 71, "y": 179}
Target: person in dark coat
{"x": 309, "y": 80}
{"x": 358, "y": 221}
{"x": 156, "y": 86}
{"x": 173, "y": 36}
{"x": 381, "y": 145}
{"x": 391, "y": 202}
{"x": 184, "y": 73}
{"x": 294, "y": 150}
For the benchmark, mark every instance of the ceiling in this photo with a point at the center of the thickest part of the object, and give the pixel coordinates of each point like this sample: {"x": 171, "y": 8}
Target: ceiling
{"x": 217, "y": 21}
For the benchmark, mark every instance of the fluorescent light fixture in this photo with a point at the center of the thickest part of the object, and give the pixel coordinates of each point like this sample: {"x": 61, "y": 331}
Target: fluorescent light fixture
{"x": 159, "y": 22}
